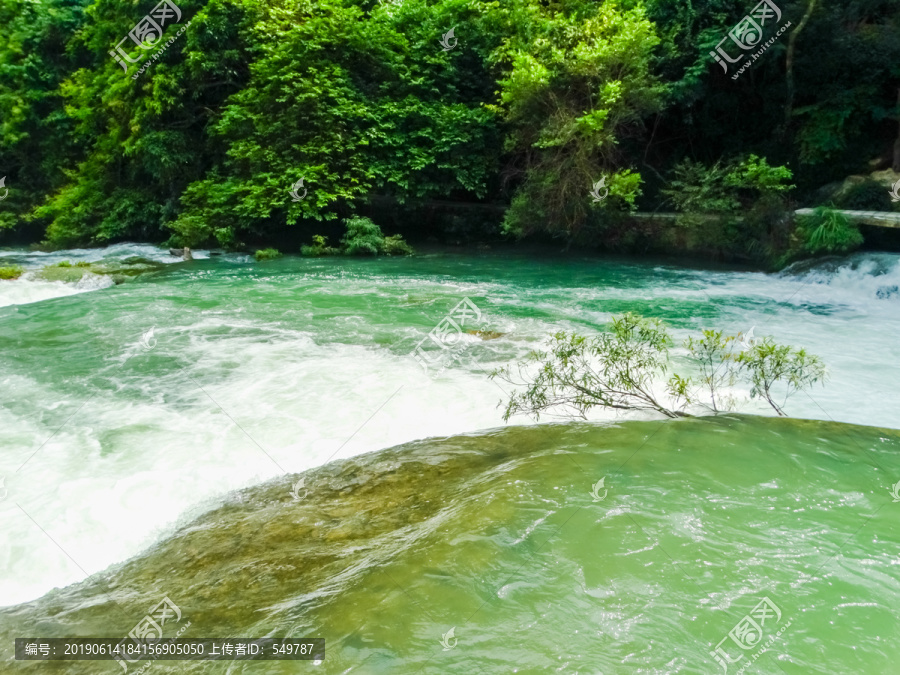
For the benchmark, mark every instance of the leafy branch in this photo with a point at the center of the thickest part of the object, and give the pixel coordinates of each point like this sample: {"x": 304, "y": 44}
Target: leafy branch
{"x": 623, "y": 369}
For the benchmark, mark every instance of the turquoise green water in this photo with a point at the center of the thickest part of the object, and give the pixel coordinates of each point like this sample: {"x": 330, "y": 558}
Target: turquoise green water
{"x": 130, "y": 412}
{"x": 499, "y": 537}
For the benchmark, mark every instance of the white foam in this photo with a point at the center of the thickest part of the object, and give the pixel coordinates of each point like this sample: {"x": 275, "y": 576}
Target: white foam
{"x": 24, "y": 291}
{"x": 27, "y": 289}
{"x": 160, "y": 444}
{"x": 118, "y": 476}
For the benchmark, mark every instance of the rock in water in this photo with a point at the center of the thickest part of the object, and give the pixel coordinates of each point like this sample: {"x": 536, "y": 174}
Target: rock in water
{"x": 176, "y": 252}
{"x": 187, "y": 254}
{"x": 486, "y": 334}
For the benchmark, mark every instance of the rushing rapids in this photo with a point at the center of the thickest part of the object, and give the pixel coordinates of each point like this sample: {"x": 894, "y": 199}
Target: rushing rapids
{"x": 138, "y": 416}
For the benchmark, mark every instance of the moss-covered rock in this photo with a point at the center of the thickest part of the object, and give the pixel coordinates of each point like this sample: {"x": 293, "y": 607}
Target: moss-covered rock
{"x": 13, "y": 272}
{"x": 119, "y": 272}
{"x": 486, "y": 334}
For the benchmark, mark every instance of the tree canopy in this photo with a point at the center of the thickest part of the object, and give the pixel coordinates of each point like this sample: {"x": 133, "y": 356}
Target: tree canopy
{"x": 533, "y": 104}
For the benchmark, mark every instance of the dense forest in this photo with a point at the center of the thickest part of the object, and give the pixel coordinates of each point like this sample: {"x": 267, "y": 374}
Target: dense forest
{"x": 531, "y": 119}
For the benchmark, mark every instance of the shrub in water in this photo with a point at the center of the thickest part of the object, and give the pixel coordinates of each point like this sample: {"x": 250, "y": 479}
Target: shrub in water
{"x": 363, "y": 237}
{"x": 267, "y": 254}
{"x": 319, "y": 247}
{"x": 618, "y": 369}
{"x": 13, "y": 272}
{"x": 396, "y": 246}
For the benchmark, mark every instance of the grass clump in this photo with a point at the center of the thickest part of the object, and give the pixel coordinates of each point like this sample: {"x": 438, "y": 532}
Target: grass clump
{"x": 267, "y": 254}
{"x": 319, "y": 247}
{"x": 826, "y": 232}
{"x": 66, "y": 264}
{"x": 11, "y": 272}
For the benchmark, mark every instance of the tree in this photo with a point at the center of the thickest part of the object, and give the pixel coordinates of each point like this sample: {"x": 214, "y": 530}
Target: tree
{"x": 624, "y": 368}
{"x": 37, "y": 145}
{"x": 576, "y": 82}
{"x": 613, "y": 370}
{"x": 714, "y": 354}
{"x": 769, "y": 364}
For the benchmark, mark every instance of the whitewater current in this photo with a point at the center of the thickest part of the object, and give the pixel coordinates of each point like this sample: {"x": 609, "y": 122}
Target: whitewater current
{"x": 128, "y": 410}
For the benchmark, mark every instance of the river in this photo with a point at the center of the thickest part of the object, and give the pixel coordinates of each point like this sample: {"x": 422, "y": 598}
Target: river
{"x": 132, "y": 413}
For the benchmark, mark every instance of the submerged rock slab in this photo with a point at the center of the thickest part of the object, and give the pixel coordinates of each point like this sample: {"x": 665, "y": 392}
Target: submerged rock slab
{"x": 117, "y": 271}
{"x": 511, "y": 539}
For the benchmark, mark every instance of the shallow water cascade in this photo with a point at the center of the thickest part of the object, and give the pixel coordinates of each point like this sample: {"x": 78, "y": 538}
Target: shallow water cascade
{"x": 505, "y": 537}
{"x": 154, "y": 432}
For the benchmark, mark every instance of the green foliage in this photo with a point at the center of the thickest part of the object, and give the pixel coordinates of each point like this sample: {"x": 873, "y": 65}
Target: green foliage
{"x": 363, "y": 237}
{"x": 827, "y": 231}
{"x": 714, "y": 354}
{"x": 619, "y": 369}
{"x": 695, "y": 188}
{"x": 768, "y": 364}
{"x": 538, "y": 102}
{"x": 267, "y": 254}
{"x": 66, "y": 263}
{"x": 371, "y": 106}
{"x": 753, "y": 174}
{"x": 11, "y": 272}
{"x": 394, "y": 245}
{"x": 728, "y": 188}
{"x": 319, "y": 247}
{"x": 37, "y": 145}
{"x": 576, "y": 81}
{"x": 613, "y": 370}
{"x": 735, "y": 208}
